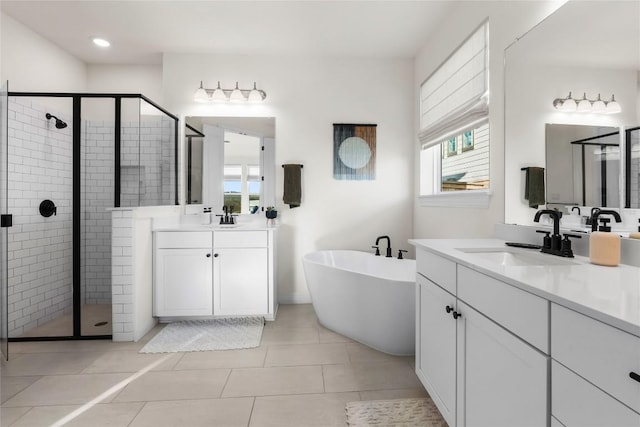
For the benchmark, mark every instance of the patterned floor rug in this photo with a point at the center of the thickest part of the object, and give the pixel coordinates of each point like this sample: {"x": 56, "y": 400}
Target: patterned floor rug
{"x": 396, "y": 413}
{"x": 204, "y": 335}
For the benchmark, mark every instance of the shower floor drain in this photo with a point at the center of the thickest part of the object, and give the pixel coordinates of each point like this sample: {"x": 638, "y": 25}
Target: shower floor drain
{"x": 100, "y": 323}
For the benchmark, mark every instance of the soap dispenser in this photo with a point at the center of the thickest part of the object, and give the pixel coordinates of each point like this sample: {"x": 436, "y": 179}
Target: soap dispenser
{"x": 604, "y": 246}
{"x": 635, "y": 234}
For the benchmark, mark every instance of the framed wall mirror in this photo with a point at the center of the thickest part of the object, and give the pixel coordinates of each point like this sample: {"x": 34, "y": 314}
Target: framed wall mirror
{"x": 600, "y": 55}
{"x": 582, "y": 166}
{"x": 230, "y": 162}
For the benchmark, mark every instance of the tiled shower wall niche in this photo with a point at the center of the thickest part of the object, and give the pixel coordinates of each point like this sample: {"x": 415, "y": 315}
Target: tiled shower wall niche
{"x": 147, "y": 163}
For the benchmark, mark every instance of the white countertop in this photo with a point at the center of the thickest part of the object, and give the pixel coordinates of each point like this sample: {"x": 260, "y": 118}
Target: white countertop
{"x": 212, "y": 227}
{"x": 609, "y": 294}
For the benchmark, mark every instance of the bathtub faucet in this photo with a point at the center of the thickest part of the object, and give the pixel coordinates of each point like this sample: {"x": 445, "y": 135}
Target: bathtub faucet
{"x": 388, "y": 244}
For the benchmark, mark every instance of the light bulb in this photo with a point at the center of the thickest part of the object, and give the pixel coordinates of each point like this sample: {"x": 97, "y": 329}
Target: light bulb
{"x": 613, "y": 106}
{"x": 100, "y": 42}
{"x": 584, "y": 106}
{"x": 599, "y": 106}
{"x": 218, "y": 95}
{"x": 236, "y": 95}
{"x": 201, "y": 95}
{"x": 255, "y": 95}
{"x": 569, "y": 104}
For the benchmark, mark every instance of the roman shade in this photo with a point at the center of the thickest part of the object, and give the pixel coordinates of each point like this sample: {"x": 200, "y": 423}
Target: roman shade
{"x": 455, "y": 97}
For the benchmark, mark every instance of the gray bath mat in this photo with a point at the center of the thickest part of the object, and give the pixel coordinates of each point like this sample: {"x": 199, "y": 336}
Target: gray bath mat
{"x": 396, "y": 413}
{"x": 204, "y": 335}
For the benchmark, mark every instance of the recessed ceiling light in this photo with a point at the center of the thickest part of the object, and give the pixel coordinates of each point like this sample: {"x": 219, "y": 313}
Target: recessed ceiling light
{"x": 100, "y": 42}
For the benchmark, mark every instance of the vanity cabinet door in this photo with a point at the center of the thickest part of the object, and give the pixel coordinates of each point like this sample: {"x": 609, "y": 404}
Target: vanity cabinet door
{"x": 240, "y": 282}
{"x": 578, "y": 403}
{"x": 502, "y": 381}
{"x": 183, "y": 282}
{"x": 436, "y": 346}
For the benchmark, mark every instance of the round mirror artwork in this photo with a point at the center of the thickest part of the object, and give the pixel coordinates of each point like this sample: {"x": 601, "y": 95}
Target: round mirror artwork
{"x": 354, "y": 152}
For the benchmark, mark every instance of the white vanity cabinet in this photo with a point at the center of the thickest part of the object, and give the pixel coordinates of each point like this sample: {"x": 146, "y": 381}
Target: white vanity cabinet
{"x": 502, "y": 380}
{"x": 214, "y": 273}
{"x": 182, "y": 274}
{"x": 240, "y": 273}
{"x": 436, "y": 345}
{"x": 469, "y": 357}
{"x": 591, "y": 382}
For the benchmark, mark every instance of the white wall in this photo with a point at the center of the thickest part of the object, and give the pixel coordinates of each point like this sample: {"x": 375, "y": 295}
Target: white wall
{"x": 307, "y": 95}
{"x": 144, "y": 79}
{"x": 32, "y": 63}
{"x": 507, "y": 20}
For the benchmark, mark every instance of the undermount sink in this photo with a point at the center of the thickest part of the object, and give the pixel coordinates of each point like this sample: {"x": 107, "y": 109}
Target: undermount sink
{"x": 514, "y": 258}
{"x": 227, "y": 226}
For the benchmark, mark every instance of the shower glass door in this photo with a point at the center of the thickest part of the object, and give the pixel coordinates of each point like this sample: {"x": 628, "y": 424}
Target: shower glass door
{"x": 4, "y": 285}
{"x": 97, "y": 194}
{"x": 40, "y": 199}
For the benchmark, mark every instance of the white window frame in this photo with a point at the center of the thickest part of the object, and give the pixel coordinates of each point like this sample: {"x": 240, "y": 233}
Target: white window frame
{"x": 466, "y": 115}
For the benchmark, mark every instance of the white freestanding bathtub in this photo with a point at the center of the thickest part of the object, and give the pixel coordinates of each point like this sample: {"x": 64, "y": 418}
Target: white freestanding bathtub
{"x": 368, "y": 298}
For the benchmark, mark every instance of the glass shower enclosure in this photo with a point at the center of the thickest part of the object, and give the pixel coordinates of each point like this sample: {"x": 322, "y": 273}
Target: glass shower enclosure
{"x": 72, "y": 159}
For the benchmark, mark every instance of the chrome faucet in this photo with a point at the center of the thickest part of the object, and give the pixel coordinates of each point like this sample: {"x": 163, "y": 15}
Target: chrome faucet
{"x": 388, "y": 245}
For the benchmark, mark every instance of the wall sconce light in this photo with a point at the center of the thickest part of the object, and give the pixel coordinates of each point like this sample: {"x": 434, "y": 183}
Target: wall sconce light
{"x": 585, "y": 105}
{"x": 235, "y": 95}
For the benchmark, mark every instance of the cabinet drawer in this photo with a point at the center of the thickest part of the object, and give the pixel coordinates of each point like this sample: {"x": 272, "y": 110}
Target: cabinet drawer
{"x": 603, "y": 355}
{"x": 439, "y": 270}
{"x": 577, "y": 403}
{"x": 240, "y": 239}
{"x": 524, "y": 314}
{"x": 183, "y": 239}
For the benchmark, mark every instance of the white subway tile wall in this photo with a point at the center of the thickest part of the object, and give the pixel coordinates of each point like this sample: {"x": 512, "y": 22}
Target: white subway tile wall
{"x": 122, "y": 274}
{"x": 39, "y": 248}
{"x": 98, "y": 184}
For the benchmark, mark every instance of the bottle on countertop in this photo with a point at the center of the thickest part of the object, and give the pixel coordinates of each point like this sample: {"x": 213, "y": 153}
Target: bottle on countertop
{"x": 604, "y": 246}
{"x": 206, "y": 216}
{"x": 635, "y": 234}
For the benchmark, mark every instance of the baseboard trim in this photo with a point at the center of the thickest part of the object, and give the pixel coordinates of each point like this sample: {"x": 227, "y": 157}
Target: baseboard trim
{"x": 294, "y": 299}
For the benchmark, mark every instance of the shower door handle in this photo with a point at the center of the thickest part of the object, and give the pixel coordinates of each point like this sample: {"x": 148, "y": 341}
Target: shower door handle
{"x": 6, "y": 220}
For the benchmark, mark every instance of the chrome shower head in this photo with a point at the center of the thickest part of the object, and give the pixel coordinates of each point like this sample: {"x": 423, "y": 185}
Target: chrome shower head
{"x": 59, "y": 123}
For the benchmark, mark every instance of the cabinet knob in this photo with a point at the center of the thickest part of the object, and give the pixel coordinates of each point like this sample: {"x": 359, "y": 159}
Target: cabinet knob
{"x": 635, "y": 376}
{"x": 208, "y": 255}
{"x": 456, "y": 314}
{"x": 215, "y": 255}
{"x": 448, "y": 308}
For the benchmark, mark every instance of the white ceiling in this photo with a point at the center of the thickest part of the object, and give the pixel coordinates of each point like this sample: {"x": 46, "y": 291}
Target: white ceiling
{"x": 141, "y": 30}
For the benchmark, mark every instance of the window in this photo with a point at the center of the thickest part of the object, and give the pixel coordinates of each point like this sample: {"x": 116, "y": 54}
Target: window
{"x": 242, "y": 185}
{"x": 469, "y": 170}
{"x": 454, "y": 127}
{"x": 254, "y": 181}
{"x": 233, "y": 187}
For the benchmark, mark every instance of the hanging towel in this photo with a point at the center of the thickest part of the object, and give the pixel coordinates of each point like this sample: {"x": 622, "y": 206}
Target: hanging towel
{"x": 292, "y": 185}
{"x": 534, "y": 186}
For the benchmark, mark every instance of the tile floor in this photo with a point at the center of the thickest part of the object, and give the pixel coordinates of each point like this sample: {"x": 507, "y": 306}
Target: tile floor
{"x": 93, "y": 318}
{"x": 301, "y": 375}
